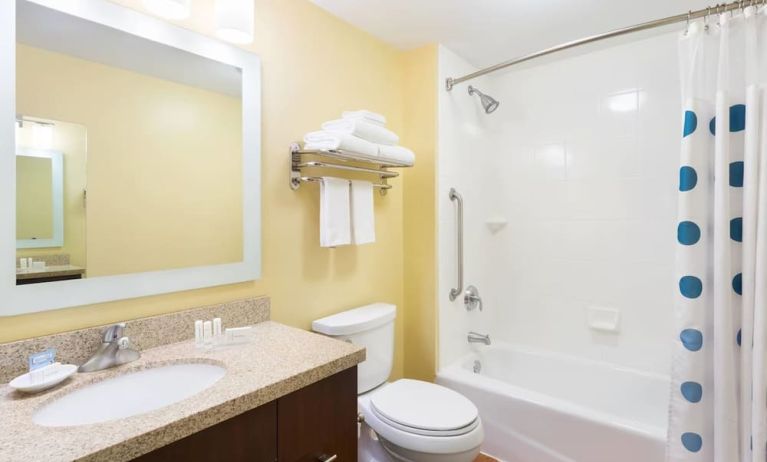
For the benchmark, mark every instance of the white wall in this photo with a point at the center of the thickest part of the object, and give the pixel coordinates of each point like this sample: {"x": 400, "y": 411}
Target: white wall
{"x": 581, "y": 158}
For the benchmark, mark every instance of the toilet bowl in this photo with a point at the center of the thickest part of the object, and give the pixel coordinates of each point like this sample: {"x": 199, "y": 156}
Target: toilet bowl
{"x": 406, "y": 420}
{"x": 422, "y": 422}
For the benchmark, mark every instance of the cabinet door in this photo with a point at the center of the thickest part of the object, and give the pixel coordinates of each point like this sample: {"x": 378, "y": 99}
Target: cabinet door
{"x": 248, "y": 437}
{"x": 319, "y": 421}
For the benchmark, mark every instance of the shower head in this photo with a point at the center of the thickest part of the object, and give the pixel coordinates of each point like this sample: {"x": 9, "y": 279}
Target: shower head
{"x": 488, "y": 102}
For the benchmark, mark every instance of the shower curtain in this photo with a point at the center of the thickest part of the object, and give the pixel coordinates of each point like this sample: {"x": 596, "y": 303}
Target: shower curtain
{"x": 718, "y": 409}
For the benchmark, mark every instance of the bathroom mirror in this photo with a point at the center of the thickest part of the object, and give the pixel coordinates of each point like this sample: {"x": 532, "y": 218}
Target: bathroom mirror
{"x": 130, "y": 154}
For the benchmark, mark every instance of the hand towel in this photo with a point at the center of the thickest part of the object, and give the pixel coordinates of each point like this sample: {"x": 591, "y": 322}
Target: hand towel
{"x": 331, "y": 141}
{"x": 367, "y": 116}
{"x": 335, "y": 214}
{"x": 362, "y": 129}
{"x": 363, "y": 216}
{"x": 397, "y": 154}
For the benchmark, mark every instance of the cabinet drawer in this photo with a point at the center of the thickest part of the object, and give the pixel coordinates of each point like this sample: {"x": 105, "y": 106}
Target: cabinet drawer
{"x": 319, "y": 420}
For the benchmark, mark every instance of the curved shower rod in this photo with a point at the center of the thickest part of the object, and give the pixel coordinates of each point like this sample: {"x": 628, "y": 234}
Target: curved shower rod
{"x": 689, "y": 16}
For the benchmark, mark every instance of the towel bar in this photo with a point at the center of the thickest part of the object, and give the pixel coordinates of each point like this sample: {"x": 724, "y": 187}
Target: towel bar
{"x": 381, "y": 173}
{"x": 339, "y": 160}
{"x": 316, "y": 179}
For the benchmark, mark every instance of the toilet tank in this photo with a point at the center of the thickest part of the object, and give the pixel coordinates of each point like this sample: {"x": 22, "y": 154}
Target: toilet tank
{"x": 370, "y": 326}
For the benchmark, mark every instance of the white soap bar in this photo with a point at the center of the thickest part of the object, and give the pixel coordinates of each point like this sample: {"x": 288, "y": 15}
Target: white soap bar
{"x": 239, "y": 334}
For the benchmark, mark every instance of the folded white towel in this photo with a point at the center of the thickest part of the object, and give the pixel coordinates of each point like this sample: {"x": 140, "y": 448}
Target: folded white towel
{"x": 363, "y": 217}
{"x": 335, "y": 214}
{"x": 397, "y": 153}
{"x": 369, "y": 116}
{"x": 362, "y": 129}
{"x": 323, "y": 140}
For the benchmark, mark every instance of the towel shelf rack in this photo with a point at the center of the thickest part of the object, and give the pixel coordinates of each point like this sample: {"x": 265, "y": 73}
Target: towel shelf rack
{"x": 339, "y": 160}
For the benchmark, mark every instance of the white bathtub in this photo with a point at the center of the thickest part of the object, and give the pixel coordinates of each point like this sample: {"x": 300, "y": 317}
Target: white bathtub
{"x": 542, "y": 407}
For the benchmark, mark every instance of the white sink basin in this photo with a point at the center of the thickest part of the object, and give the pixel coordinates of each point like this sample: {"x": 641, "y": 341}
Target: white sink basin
{"x": 127, "y": 395}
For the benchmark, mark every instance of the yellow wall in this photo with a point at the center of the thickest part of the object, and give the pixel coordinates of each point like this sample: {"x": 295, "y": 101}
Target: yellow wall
{"x": 164, "y": 171}
{"x": 314, "y": 67}
{"x": 34, "y": 198}
{"x": 72, "y": 141}
{"x": 420, "y": 231}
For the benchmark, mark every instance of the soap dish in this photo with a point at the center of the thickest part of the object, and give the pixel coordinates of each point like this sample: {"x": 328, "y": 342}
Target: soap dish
{"x": 26, "y": 384}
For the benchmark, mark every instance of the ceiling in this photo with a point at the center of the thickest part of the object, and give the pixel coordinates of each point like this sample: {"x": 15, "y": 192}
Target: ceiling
{"x": 486, "y": 32}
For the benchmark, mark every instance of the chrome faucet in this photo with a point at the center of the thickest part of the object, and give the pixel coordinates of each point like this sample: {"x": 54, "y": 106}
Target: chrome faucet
{"x": 479, "y": 338}
{"x": 114, "y": 351}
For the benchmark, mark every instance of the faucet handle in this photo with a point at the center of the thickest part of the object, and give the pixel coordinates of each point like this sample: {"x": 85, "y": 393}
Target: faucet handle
{"x": 123, "y": 343}
{"x": 114, "y": 333}
{"x": 471, "y": 298}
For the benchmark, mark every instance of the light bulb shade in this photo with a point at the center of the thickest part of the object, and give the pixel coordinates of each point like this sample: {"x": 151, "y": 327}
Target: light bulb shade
{"x": 170, "y": 9}
{"x": 235, "y": 20}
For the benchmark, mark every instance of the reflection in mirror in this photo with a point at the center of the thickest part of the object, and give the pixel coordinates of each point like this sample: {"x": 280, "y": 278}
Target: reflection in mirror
{"x": 50, "y": 200}
{"x": 162, "y": 130}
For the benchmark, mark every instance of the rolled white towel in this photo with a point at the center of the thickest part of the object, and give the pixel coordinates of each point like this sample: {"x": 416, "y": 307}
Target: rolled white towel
{"x": 368, "y": 116}
{"x": 398, "y": 154}
{"x": 362, "y": 129}
{"x": 323, "y": 140}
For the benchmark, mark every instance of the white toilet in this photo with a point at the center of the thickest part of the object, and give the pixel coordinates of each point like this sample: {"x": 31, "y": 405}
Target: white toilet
{"x": 407, "y": 420}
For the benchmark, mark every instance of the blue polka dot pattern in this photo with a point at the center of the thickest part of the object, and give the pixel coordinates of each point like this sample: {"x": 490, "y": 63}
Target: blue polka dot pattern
{"x": 738, "y": 337}
{"x": 736, "y": 174}
{"x": 692, "y": 441}
{"x": 738, "y": 118}
{"x": 736, "y": 229}
{"x": 690, "y": 286}
{"x": 688, "y": 233}
{"x": 692, "y": 391}
{"x": 688, "y": 178}
{"x": 737, "y": 283}
{"x": 690, "y": 123}
{"x": 692, "y": 339}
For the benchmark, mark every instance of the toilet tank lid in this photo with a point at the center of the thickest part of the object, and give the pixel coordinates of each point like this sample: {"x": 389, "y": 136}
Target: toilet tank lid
{"x": 356, "y": 320}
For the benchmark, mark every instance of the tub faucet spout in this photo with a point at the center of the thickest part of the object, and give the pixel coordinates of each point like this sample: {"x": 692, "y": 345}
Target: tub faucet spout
{"x": 479, "y": 338}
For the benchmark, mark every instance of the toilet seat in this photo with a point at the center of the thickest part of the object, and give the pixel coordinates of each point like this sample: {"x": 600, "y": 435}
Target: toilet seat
{"x": 424, "y": 408}
{"x": 426, "y": 432}
{"x": 404, "y": 426}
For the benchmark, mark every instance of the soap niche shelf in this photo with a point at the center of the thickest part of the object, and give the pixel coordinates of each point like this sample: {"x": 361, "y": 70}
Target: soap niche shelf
{"x": 344, "y": 161}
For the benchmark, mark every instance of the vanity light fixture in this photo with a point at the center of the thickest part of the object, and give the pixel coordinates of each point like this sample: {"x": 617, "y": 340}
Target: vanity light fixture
{"x": 235, "y": 20}
{"x": 170, "y": 9}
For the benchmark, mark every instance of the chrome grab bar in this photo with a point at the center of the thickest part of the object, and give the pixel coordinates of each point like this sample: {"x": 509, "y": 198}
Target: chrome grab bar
{"x": 455, "y": 197}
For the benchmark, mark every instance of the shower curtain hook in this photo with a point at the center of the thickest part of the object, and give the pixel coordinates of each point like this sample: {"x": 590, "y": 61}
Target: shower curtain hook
{"x": 689, "y": 17}
{"x": 705, "y": 18}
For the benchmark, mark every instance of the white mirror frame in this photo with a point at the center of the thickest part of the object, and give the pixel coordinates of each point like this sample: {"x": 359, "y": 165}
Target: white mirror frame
{"x": 16, "y": 300}
{"x": 57, "y": 199}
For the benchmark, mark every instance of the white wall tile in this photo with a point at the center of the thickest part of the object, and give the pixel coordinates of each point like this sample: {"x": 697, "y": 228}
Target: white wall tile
{"x": 581, "y": 158}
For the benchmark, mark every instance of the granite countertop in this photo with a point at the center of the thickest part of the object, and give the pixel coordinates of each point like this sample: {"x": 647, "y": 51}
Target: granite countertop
{"x": 49, "y": 271}
{"x": 279, "y": 361}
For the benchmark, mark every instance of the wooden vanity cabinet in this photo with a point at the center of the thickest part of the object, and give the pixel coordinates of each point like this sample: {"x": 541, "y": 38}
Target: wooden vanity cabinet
{"x": 312, "y": 424}
{"x": 319, "y": 421}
